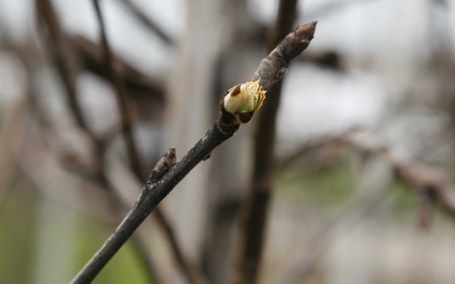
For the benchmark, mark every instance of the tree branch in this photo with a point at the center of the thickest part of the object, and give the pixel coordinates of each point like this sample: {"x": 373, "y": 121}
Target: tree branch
{"x": 421, "y": 178}
{"x": 254, "y": 215}
{"x": 58, "y": 51}
{"x": 135, "y": 81}
{"x": 148, "y": 22}
{"x": 427, "y": 182}
{"x": 222, "y": 129}
{"x": 58, "y": 48}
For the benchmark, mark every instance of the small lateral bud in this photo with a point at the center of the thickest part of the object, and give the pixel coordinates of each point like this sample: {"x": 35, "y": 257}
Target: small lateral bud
{"x": 244, "y": 99}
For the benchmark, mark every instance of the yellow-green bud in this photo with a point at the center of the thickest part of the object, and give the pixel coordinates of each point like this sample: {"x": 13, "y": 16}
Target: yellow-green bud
{"x": 244, "y": 99}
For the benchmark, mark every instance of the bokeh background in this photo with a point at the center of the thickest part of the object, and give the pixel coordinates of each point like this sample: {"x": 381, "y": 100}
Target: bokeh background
{"x": 365, "y": 141}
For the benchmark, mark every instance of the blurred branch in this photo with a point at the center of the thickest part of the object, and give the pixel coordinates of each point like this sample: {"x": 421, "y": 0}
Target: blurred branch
{"x": 419, "y": 177}
{"x": 188, "y": 270}
{"x": 254, "y": 216}
{"x": 330, "y": 59}
{"x": 430, "y": 184}
{"x": 148, "y": 22}
{"x": 58, "y": 51}
{"x": 60, "y": 54}
{"x": 123, "y": 103}
{"x": 423, "y": 179}
{"x": 269, "y": 72}
{"x": 306, "y": 257}
{"x": 134, "y": 80}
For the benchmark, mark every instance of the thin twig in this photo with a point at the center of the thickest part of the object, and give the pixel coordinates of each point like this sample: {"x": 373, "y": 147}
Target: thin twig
{"x": 123, "y": 103}
{"x": 423, "y": 179}
{"x": 269, "y": 72}
{"x": 59, "y": 53}
{"x": 148, "y": 22}
{"x": 136, "y": 82}
{"x": 188, "y": 269}
{"x": 419, "y": 177}
{"x": 254, "y": 216}
{"x": 58, "y": 50}
{"x": 372, "y": 193}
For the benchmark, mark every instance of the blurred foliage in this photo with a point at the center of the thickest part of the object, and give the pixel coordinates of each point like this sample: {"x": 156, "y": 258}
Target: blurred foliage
{"x": 35, "y": 229}
{"x": 18, "y": 229}
{"x": 328, "y": 185}
{"x": 323, "y": 185}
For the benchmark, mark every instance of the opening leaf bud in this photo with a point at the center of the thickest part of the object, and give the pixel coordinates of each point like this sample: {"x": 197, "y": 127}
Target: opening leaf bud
{"x": 244, "y": 99}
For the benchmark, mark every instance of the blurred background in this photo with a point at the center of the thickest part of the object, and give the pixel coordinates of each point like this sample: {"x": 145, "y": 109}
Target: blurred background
{"x": 363, "y": 159}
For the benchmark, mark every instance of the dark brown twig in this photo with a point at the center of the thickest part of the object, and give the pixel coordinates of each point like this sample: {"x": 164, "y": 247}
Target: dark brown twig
{"x": 135, "y": 81}
{"x": 148, "y": 22}
{"x": 123, "y": 103}
{"x": 188, "y": 270}
{"x": 223, "y": 128}
{"x": 60, "y": 55}
{"x": 254, "y": 215}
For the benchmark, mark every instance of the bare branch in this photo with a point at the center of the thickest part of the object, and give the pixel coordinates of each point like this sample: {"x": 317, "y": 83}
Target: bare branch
{"x": 222, "y": 129}
{"x": 135, "y": 81}
{"x": 148, "y": 22}
{"x": 423, "y": 179}
{"x": 59, "y": 53}
{"x": 430, "y": 185}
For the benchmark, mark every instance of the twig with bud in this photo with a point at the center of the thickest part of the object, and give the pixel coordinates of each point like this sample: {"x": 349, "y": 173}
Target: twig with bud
{"x": 269, "y": 72}
{"x": 255, "y": 210}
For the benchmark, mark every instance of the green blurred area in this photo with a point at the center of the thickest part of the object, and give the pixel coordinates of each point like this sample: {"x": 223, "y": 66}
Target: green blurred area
{"x": 44, "y": 242}
{"x": 328, "y": 186}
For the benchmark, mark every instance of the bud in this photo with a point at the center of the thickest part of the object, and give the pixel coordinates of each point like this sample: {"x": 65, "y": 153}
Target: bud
{"x": 244, "y": 99}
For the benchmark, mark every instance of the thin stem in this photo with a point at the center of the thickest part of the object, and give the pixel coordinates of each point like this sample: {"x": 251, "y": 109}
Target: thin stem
{"x": 149, "y": 23}
{"x": 222, "y": 129}
{"x": 58, "y": 50}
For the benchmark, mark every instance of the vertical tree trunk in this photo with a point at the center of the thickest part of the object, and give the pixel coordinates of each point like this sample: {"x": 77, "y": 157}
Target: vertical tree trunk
{"x": 227, "y": 180}
{"x": 190, "y": 111}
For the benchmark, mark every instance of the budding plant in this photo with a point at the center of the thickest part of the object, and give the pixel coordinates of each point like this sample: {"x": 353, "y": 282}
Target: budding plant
{"x": 237, "y": 107}
{"x": 244, "y": 99}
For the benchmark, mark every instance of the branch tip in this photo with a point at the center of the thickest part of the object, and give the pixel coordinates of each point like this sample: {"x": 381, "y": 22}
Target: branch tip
{"x": 303, "y": 34}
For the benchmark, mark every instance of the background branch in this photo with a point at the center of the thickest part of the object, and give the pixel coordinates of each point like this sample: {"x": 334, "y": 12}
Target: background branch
{"x": 91, "y": 58}
{"x": 254, "y": 215}
{"x": 148, "y": 22}
{"x": 68, "y": 74}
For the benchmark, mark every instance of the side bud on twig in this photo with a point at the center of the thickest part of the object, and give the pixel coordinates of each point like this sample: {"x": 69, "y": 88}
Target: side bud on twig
{"x": 244, "y": 99}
